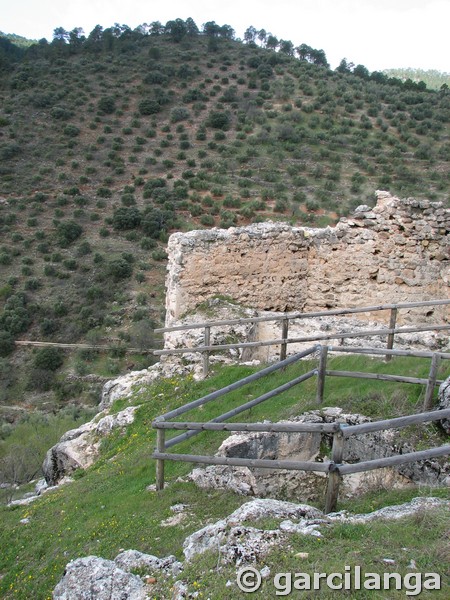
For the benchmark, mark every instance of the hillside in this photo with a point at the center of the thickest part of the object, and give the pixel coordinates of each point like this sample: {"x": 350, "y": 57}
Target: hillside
{"x": 109, "y": 142}
{"x": 434, "y": 80}
{"x": 109, "y": 508}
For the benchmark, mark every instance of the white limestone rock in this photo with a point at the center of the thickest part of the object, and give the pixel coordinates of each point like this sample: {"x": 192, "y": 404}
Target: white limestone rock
{"x": 78, "y": 448}
{"x": 94, "y": 577}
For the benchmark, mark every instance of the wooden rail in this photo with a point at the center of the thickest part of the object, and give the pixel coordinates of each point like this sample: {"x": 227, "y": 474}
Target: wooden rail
{"x": 206, "y": 348}
{"x": 98, "y": 347}
{"x": 308, "y": 315}
{"x": 246, "y": 406}
{"x": 335, "y": 468}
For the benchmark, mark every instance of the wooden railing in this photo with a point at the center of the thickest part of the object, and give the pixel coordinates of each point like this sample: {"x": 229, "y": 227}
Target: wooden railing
{"x": 335, "y": 469}
{"x": 98, "y": 347}
{"x": 285, "y": 320}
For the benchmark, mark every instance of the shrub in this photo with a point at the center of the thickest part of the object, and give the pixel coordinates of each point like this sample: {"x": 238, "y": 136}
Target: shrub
{"x": 95, "y": 293}
{"x": 83, "y": 249}
{"x": 49, "y": 359}
{"x": 40, "y": 379}
{"x": 159, "y": 254}
{"x": 104, "y": 192}
{"x": 128, "y": 199}
{"x": 7, "y": 290}
{"x": 312, "y": 205}
{"x": 148, "y": 243}
{"x": 48, "y": 326}
{"x": 230, "y": 202}
{"x": 33, "y": 283}
{"x": 126, "y": 218}
{"x": 218, "y": 120}
{"x": 71, "y": 264}
{"x": 67, "y": 232}
{"x": 10, "y": 150}
{"x": 179, "y": 113}
{"x": 155, "y": 221}
{"x": 152, "y": 185}
{"x": 50, "y": 271}
{"x": 119, "y": 269}
{"x": 107, "y": 105}
{"x": 71, "y": 131}
{"x": 5, "y": 259}
{"x": 207, "y": 220}
{"x": 149, "y": 107}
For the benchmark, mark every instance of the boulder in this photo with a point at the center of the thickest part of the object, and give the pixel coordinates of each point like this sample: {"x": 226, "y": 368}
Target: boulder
{"x": 94, "y": 577}
{"x": 78, "y": 448}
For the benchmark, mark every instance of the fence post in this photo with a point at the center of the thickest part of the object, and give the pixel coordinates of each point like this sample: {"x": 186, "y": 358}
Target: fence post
{"x": 284, "y": 335}
{"x": 321, "y": 373}
{"x": 207, "y": 338}
{"x": 390, "y": 340}
{"x": 161, "y": 447}
{"x": 334, "y": 476}
{"x": 428, "y": 401}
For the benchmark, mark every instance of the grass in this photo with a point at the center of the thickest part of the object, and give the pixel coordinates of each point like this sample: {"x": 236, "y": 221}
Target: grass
{"x": 107, "y": 508}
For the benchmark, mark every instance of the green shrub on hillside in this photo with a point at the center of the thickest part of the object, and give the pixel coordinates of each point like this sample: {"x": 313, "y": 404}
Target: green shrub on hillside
{"x": 106, "y": 105}
{"x": 119, "y": 268}
{"x": 49, "y": 359}
{"x": 218, "y": 120}
{"x": 149, "y": 107}
{"x": 125, "y": 218}
{"x": 67, "y": 232}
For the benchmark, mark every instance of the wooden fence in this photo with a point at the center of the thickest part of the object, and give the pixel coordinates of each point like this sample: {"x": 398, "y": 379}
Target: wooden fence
{"x": 335, "y": 469}
{"x": 285, "y": 320}
{"x": 98, "y": 347}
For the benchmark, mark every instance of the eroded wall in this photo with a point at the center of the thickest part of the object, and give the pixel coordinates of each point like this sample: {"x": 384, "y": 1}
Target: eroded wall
{"x": 396, "y": 252}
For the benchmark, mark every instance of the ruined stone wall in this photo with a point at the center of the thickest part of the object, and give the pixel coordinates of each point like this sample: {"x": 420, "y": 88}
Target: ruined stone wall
{"x": 396, "y": 252}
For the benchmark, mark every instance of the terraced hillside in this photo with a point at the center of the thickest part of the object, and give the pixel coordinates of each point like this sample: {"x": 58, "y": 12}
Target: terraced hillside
{"x": 110, "y": 142}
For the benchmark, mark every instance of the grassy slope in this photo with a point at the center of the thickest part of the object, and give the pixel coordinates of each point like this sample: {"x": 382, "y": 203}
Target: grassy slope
{"x": 303, "y": 144}
{"x": 108, "y": 508}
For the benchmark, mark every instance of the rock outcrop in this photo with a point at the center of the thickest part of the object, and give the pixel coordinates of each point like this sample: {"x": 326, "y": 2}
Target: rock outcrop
{"x": 233, "y": 538}
{"x": 239, "y": 543}
{"x": 100, "y": 579}
{"x": 122, "y": 387}
{"x": 94, "y": 577}
{"x": 310, "y": 486}
{"x": 78, "y": 448}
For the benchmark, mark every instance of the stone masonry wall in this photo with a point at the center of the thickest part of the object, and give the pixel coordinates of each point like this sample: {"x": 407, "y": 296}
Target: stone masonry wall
{"x": 396, "y": 252}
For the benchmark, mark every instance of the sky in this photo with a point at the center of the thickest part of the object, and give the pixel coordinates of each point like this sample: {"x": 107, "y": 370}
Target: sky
{"x": 379, "y": 34}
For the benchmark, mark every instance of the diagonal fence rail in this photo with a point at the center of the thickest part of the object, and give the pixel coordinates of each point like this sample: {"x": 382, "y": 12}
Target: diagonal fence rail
{"x": 335, "y": 469}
